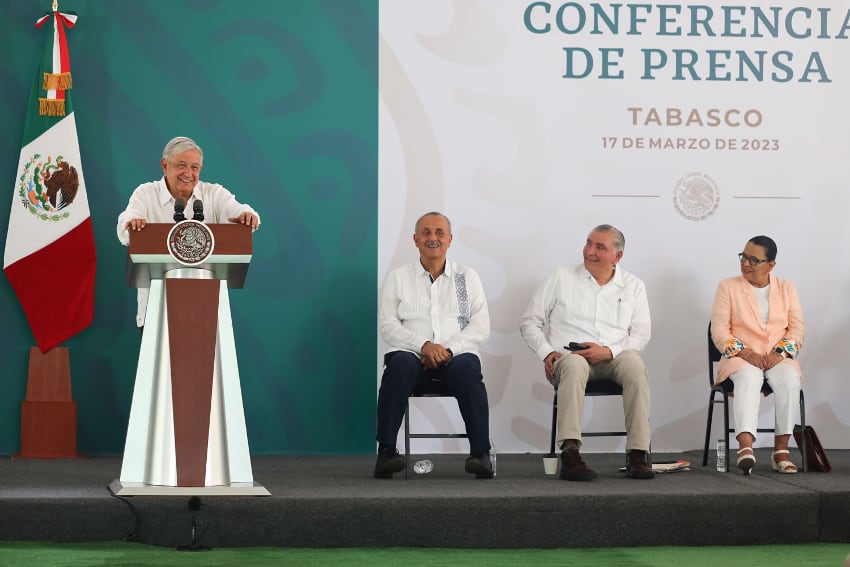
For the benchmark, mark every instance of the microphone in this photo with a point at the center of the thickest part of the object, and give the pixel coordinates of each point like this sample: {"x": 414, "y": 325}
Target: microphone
{"x": 179, "y": 206}
{"x": 198, "y": 208}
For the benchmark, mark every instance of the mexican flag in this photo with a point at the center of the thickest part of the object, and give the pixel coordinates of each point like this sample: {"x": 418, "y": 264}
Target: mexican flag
{"x": 50, "y": 253}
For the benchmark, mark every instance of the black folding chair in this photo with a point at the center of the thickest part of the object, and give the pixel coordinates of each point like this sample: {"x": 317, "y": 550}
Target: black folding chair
{"x": 593, "y": 388}
{"x": 431, "y": 389}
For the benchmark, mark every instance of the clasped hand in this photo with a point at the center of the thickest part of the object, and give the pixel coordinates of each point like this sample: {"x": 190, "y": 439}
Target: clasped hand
{"x": 762, "y": 361}
{"x": 434, "y": 355}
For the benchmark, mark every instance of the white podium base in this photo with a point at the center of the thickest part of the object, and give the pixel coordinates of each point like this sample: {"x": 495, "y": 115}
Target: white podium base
{"x": 150, "y": 452}
{"x": 119, "y": 488}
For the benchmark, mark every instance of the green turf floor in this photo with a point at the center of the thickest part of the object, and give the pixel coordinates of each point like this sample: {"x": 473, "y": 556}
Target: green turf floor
{"x": 126, "y": 554}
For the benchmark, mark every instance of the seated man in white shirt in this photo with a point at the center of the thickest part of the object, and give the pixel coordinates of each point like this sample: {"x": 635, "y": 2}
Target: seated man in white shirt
{"x": 182, "y": 161}
{"x": 604, "y": 310}
{"x": 433, "y": 315}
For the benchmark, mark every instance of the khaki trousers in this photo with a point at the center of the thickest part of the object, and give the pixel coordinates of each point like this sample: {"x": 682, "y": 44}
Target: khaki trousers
{"x": 571, "y": 375}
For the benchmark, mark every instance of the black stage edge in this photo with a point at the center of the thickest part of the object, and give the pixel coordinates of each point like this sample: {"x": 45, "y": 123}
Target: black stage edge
{"x": 332, "y": 501}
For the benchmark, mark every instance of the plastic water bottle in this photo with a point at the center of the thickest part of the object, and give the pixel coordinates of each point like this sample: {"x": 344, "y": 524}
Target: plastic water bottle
{"x": 423, "y": 467}
{"x": 721, "y": 455}
{"x": 493, "y": 456}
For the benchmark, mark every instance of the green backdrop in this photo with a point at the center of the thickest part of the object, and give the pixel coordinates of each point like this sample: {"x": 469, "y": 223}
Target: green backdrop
{"x": 282, "y": 96}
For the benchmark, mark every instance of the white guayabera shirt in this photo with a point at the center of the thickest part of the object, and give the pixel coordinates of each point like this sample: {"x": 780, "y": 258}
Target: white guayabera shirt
{"x": 576, "y": 308}
{"x": 451, "y": 311}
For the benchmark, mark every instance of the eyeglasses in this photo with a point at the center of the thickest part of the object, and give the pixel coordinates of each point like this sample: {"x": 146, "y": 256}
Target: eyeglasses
{"x": 751, "y": 260}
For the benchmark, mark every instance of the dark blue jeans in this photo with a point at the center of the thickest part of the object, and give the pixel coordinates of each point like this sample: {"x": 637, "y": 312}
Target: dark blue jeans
{"x": 462, "y": 379}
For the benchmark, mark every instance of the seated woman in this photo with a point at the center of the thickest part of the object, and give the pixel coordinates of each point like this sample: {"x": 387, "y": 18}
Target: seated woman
{"x": 757, "y": 323}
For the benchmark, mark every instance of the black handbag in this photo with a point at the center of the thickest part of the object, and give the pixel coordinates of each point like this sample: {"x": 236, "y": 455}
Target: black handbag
{"x": 816, "y": 459}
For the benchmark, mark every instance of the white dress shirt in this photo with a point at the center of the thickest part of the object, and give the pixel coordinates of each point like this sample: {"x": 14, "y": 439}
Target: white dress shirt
{"x": 576, "y": 308}
{"x": 451, "y": 311}
{"x": 154, "y": 203}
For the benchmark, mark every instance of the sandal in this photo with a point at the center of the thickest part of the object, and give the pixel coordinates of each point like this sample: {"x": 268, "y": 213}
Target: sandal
{"x": 746, "y": 461}
{"x": 785, "y": 466}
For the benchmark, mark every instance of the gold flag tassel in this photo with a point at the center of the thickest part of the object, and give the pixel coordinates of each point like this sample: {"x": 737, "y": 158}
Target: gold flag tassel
{"x": 51, "y": 106}
{"x": 56, "y": 82}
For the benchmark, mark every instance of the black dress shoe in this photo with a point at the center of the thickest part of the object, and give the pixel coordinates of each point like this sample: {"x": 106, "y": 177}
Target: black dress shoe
{"x": 480, "y": 466}
{"x": 388, "y": 462}
{"x": 636, "y": 466}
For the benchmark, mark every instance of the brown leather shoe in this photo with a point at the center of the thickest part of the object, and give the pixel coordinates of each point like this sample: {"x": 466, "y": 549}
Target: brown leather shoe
{"x": 636, "y": 466}
{"x": 572, "y": 467}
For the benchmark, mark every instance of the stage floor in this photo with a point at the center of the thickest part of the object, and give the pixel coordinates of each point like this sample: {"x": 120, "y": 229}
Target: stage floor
{"x": 332, "y": 501}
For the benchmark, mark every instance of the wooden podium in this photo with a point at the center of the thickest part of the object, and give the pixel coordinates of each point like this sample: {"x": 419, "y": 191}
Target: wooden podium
{"x": 186, "y": 433}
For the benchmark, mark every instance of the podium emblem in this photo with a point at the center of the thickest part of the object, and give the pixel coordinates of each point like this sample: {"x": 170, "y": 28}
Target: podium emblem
{"x": 190, "y": 242}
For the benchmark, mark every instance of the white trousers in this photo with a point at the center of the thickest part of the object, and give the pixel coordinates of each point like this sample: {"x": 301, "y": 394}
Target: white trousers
{"x": 785, "y": 382}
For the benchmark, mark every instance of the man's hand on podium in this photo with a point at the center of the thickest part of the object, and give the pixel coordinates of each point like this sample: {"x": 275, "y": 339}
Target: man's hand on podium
{"x": 249, "y": 219}
{"x": 135, "y": 224}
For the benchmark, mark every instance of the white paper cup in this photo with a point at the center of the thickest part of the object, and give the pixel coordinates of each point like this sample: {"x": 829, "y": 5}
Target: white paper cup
{"x": 550, "y": 465}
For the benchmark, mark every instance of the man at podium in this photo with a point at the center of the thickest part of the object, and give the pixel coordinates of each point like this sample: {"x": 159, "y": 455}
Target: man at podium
{"x": 182, "y": 162}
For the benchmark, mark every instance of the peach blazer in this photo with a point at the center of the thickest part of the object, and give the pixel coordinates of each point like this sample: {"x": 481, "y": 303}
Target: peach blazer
{"x": 735, "y": 315}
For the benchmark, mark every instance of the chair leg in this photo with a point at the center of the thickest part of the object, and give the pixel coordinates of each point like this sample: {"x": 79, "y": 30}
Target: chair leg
{"x": 554, "y": 424}
{"x": 803, "y": 432}
{"x": 726, "y": 429}
{"x": 708, "y": 428}
{"x": 407, "y": 438}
